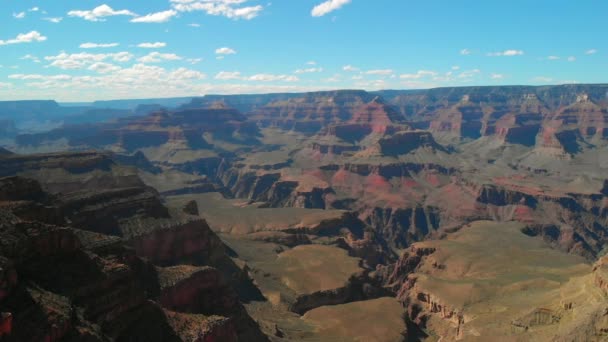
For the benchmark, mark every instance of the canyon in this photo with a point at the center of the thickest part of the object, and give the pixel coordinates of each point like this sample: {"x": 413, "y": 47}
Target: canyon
{"x": 441, "y": 214}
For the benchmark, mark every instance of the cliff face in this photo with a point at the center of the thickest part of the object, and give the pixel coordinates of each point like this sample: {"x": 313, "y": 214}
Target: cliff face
{"x": 446, "y": 289}
{"x": 93, "y": 268}
{"x": 311, "y": 112}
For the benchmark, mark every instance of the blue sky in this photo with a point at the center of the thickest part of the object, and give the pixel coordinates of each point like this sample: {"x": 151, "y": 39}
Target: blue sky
{"x": 102, "y": 49}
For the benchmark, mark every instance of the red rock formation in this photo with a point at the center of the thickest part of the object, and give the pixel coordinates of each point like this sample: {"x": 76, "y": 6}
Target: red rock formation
{"x": 174, "y": 242}
{"x": 59, "y": 281}
{"x": 463, "y": 119}
{"x": 405, "y": 142}
{"x": 195, "y": 290}
{"x": 311, "y": 112}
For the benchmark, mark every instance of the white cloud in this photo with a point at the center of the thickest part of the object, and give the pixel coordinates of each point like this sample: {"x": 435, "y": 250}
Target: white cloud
{"x": 32, "y": 36}
{"x": 81, "y": 60}
{"x": 34, "y": 9}
{"x": 350, "y": 68}
{"x": 273, "y": 78}
{"x": 456, "y": 67}
{"x": 591, "y": 52}
{"x": 507, "y": 53}
{"x": 155, "y": 45}
{"x": 225, "y": 51}
{"x": 103, "y": 68}
{"x": 553, "y": 58}
{"x": 194, "y": 60}
{"x": 226, "y": 8}
{"x": 571, "y": 59}
{"x": 308, "y": 70}
{"x": 311, "y": 63}
{"x": 156, "y": 57}
{"x": 186, "y": 74}
{"x": 469, "y": 74}
{"x": 55, "y": 20}
{"x": 328, "y": 7}
{"x": 418, "y": 75}
{"x": 99, "y": 13}
{"x": 384, "y": 72}
{"x": 497, "y": 76}
{"x": 97, "y": 45}
{"x": 121, "y": 56}
{"x": 194, "y": 25}
{"x": 31, "y": 58}
{"x": 19, "y": 15}
{"x": 228, "y": 75}
{"x": 113, "y": 81}
{"x": 158, "y": 17}
{"x": 465, "y": 52}
{"x": 39, "y": 77}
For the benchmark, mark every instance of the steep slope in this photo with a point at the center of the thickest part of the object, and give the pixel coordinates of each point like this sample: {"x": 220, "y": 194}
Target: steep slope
{"x": 97, "y": 261}
{"x": 491, "y": 280}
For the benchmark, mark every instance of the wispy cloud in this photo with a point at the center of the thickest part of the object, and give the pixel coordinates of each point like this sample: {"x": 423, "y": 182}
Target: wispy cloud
{"x": 308, "y": 70}
{"x": 84, "y": 59}
{"x": 19, "y": 15}
{"x": 273, "y": 78}
{"x": 97, "y": 45}
{"x": 154, "y": 45}
{"x": 506, "y": 53}
{"x": 54, "y": 20}
{"x": 418, "y": 75}
{"x": 158, "y": 17}
{"x": 591, "y": 52}
{"x": 383, "y": 72}
{"x": 156, "y": 57}
{"x": 465, "y": 52}
{"x": 350, "y": 68}
{"x": 328, "y": 7}
{"x": 32, "y": 36}
{"x": 99, "y": 13}
{"x": 225, "y": 51}
{"x": 227, "y": 8}
{"x": 30, "y": 58}
{"x": 228, "y": 75}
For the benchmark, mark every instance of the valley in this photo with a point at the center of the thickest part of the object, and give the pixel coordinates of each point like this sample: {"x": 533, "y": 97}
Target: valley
{"x": 437, "y": 215}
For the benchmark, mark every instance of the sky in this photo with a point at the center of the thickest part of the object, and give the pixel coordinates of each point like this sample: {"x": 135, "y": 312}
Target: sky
{"x": 84, "y": 50}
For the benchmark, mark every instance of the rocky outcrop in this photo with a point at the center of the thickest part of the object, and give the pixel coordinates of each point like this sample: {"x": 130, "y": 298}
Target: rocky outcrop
{"x": 77, "y": 162}
{"x": 101, "y": 211}
{"x": 359, "y": 287}
{"x": 201, "y": 328}
{"x": 405, "y": 142}
{"x": 66, "y": 276}
{"x": 308, "y": 113}
{"x": 401, "y": 227}
{"x": 172, "y": 242}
